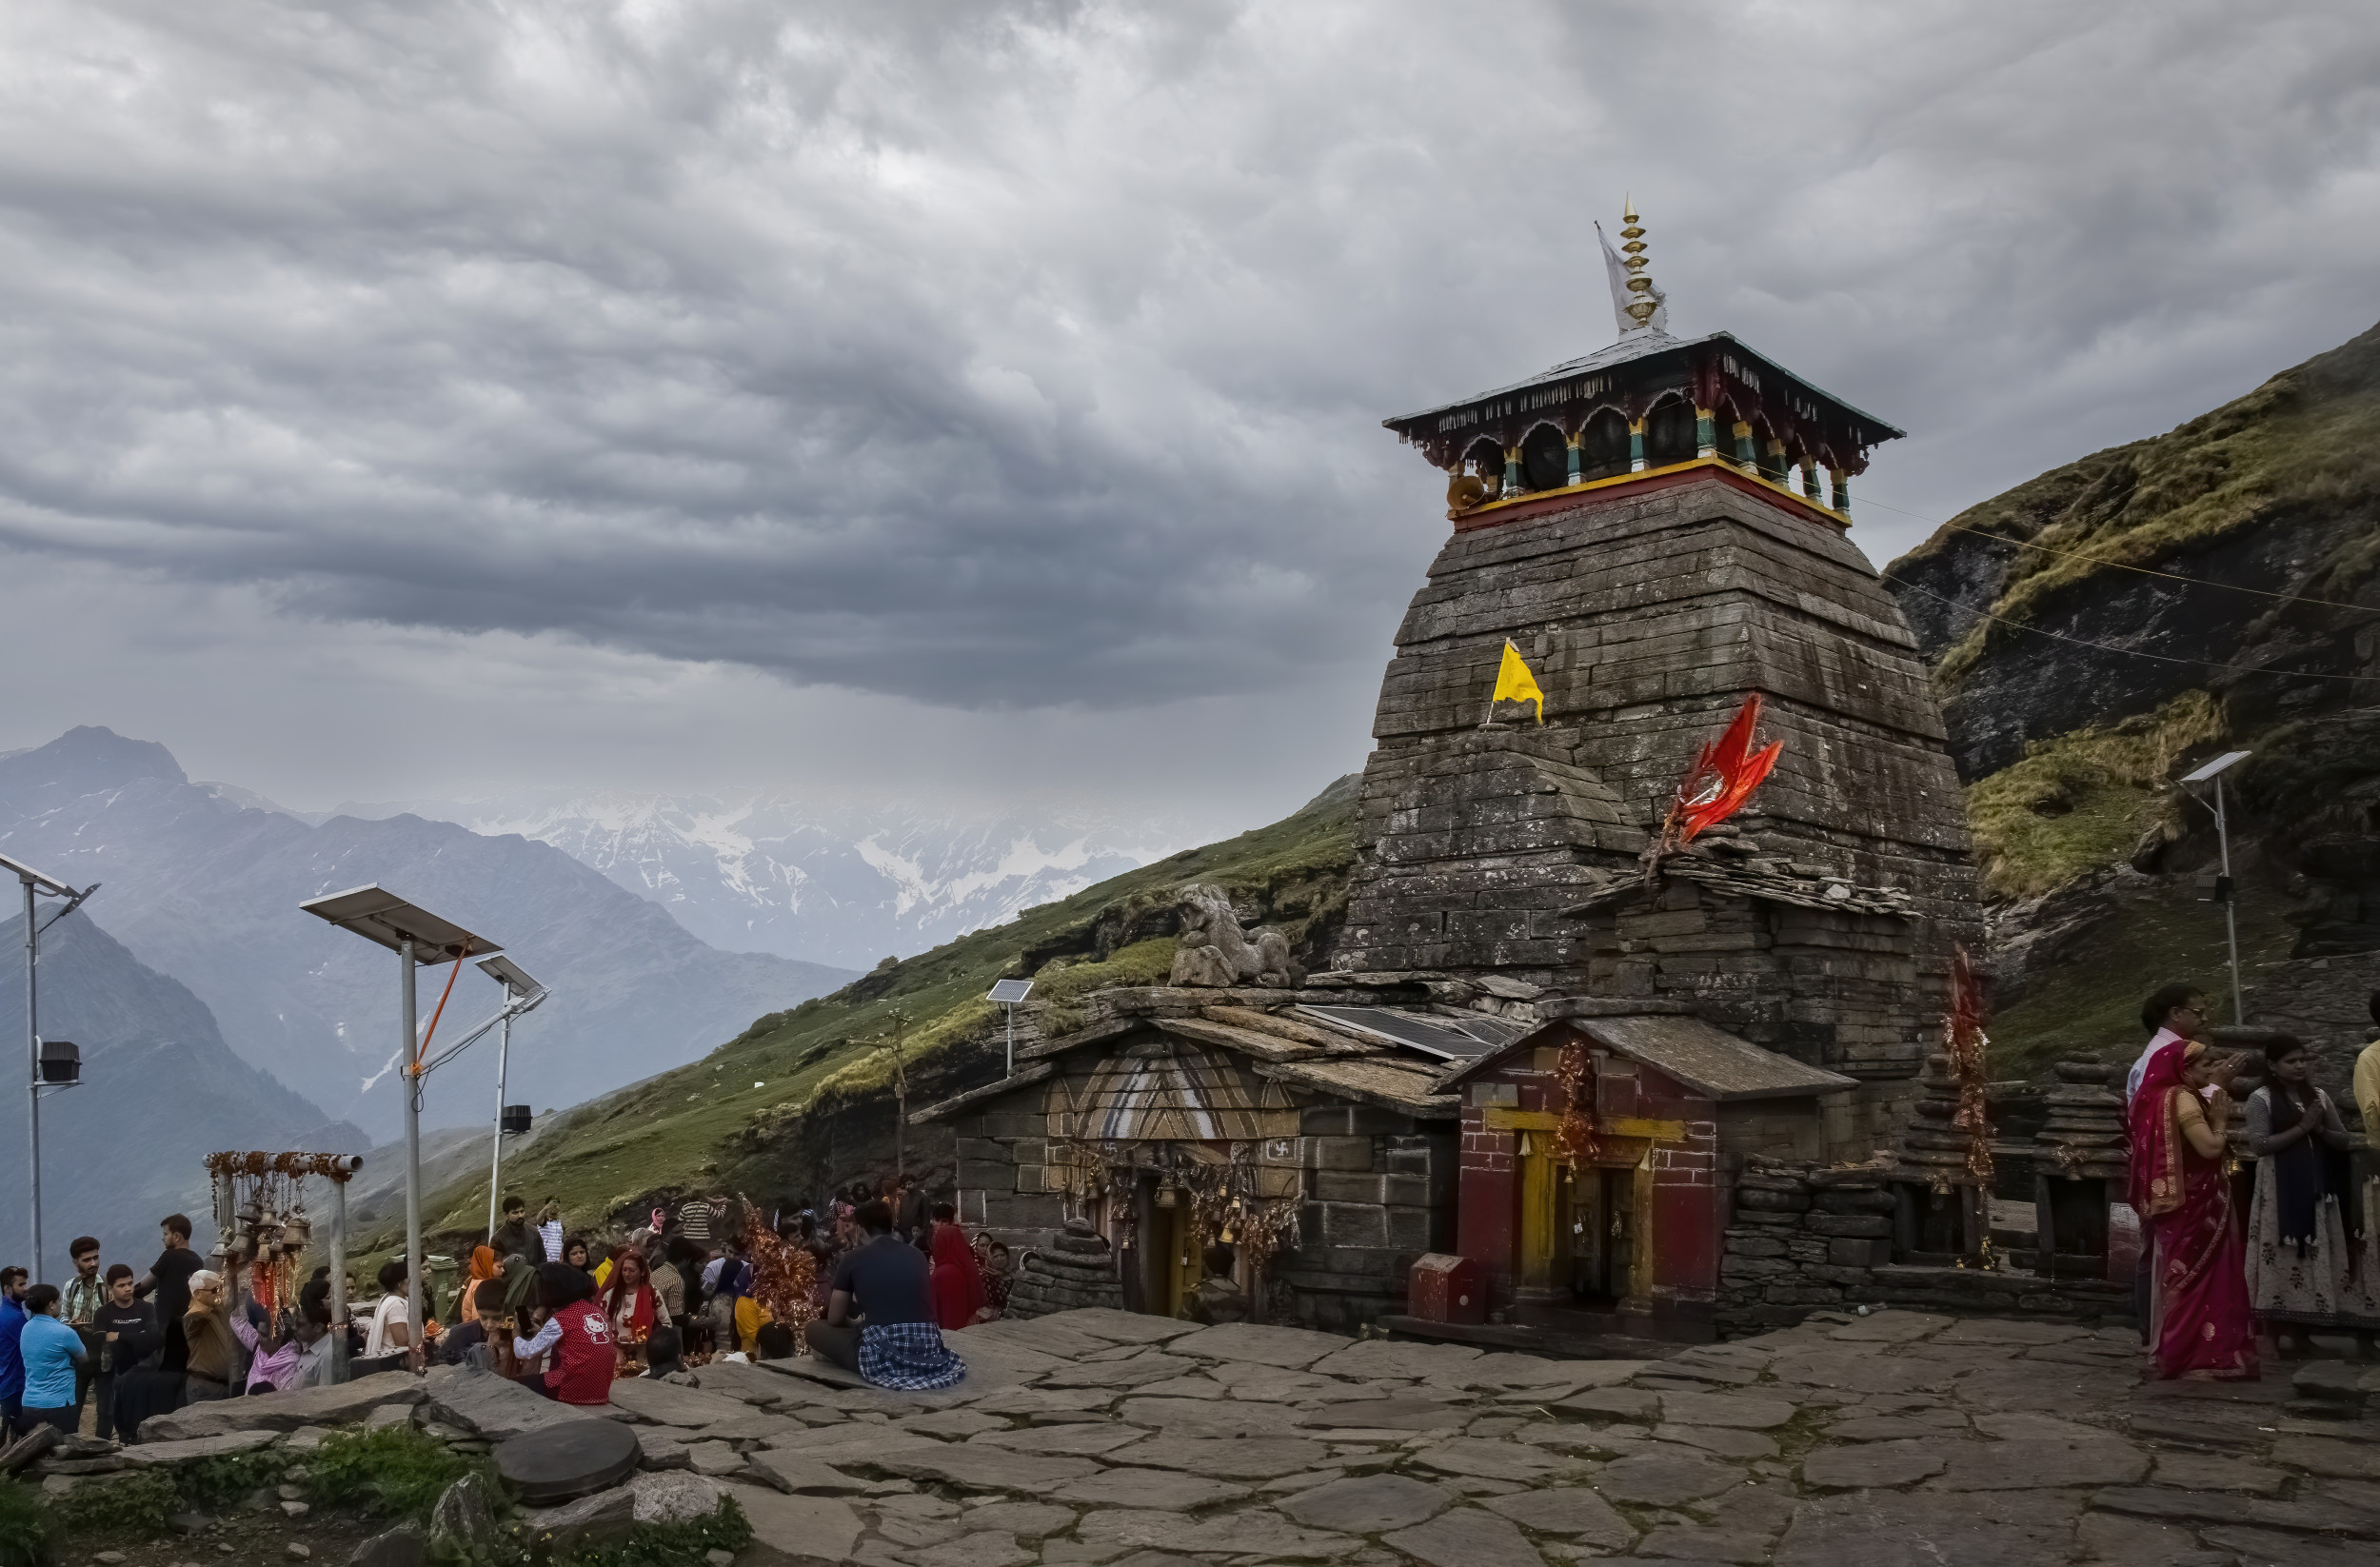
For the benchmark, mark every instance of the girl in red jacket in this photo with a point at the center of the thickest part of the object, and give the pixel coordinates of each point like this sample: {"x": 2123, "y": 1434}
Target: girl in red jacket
{"x": 579, "y": 1336}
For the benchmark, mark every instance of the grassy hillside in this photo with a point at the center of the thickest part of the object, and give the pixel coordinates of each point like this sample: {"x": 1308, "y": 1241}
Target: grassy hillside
{"x": 2211, "y": 589}
{"x": 716, "y": 1118}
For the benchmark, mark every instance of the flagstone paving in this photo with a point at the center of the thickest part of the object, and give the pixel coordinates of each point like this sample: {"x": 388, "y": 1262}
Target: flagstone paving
{"x": 1895, "y": 1440}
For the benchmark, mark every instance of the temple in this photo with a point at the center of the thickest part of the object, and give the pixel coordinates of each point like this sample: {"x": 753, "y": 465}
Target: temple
{"x": 1582, "y": 1063}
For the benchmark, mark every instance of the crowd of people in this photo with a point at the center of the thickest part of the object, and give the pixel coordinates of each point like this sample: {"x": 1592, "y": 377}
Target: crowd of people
{"x": 870, "y": 1286}
{"x": 2302, "y": 1252}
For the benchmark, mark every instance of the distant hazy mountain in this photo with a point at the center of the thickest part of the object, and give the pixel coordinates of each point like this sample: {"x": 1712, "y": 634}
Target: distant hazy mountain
{"x": 207, "y": 889}
{"x": 160, "y": 1092}
{"x": 841, "y": 884}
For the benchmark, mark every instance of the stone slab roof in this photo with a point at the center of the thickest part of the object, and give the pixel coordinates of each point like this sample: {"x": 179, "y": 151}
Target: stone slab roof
{"x": 1710, "y": 1061}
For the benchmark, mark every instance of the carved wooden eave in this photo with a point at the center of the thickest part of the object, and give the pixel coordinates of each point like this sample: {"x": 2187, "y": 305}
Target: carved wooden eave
{"x": 1641, "y": 369}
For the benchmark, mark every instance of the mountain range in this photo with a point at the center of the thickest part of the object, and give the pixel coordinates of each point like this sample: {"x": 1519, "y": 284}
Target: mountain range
{"x": 161, "y": 1090}
{"x": 770, "y": 871}
{"x": 204, "y": 888}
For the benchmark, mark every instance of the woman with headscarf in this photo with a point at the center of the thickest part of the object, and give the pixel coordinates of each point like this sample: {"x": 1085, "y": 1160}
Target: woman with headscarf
{"x": 2298, "y": 1273}
{"x": 2200, "y": 1327}
{"x": 631, "y": 1304}
{"x": 957, "y": 1282}
{"x": 483, "y": 1272}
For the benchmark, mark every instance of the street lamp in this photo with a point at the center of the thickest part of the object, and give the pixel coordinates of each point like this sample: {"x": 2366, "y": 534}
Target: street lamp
{"x": 1008, "y": 993}
{"x": 520, "y": 995}
{"x": 63, "y": 1070}
{"x": 2223, "y": 889}
{"x": 417, "y": 937}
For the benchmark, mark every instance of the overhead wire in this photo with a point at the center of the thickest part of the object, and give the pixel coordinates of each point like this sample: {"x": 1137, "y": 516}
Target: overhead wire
{"x": 2120, "y": 566}
{"x": 2133, "y": 652}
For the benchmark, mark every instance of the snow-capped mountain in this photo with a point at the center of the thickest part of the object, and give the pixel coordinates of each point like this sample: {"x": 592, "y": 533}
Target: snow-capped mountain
{"x": 843, "y": 884}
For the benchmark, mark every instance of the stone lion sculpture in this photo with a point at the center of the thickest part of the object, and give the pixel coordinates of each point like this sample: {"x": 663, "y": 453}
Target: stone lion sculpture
{"x": 1215, "y": 951}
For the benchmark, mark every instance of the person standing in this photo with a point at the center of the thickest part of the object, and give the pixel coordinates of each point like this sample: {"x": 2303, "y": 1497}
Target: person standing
{"x": 2173, "y": 1013}
{"x": 51, "y": 1350}
{"x": 79, "y": 1306}
{"x": 212, "y": 1353}
{"x": 169, "y": 1277}
{"x": 2299, "y": 1277}
{"x": 2200, "y": 1326}
{"x": 2367, "y": 1093}
{"x": 958, "y": 1279}
{"x": 549, "y": 1231}
{"x": 12, "y": 1287}
{"x": 513, "y": 1237}
{"x": 694, "y": 1220}
{"x": 910, "y": 1211}
{"x": 127, "y": 1335}
{"x": 390, "y": 1333}
{"x": 879, "y": 1314}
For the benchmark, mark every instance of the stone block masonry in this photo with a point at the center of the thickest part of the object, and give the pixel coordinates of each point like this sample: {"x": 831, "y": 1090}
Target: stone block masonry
{"x": 1806, "y": 1238}
{"x": 1647, "y": 617}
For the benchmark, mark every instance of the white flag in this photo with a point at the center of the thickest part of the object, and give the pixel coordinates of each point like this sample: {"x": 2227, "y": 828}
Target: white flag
{"x": 1617, "y": 269}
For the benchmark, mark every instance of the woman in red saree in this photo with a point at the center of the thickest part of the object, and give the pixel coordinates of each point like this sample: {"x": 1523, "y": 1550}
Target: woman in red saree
{"x": 2200, "y": 1327}
{"x": 958, "y": 1282}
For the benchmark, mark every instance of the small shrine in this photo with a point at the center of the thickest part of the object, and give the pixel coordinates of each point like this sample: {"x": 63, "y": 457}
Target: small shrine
{"x": 1595, "y": 1151}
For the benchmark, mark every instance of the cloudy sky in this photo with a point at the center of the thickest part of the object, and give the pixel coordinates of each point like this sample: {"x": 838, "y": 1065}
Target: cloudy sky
{"x": 421, "y": 399}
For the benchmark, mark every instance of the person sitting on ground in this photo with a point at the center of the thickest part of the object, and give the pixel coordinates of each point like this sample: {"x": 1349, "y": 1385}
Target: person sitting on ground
{"x": 390, "y": 1338}
{"x": 482, "y": 1273}
{"x": 52, "y": 1351}
{"x": 630, "y": 1302}
{"x": 1218, "y": 1298}
{"x": 879, "y": 1314}
{"x": 207, "y": 1331}
{"x": 485, "y": 1341}
{"x": 664, "y": 1353}
{"x": 999, "y": 1273}
{"x": 584, "y": 1358}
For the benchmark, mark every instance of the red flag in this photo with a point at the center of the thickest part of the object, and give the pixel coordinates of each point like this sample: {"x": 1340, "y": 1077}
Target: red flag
{"x": 1723, "y": 777}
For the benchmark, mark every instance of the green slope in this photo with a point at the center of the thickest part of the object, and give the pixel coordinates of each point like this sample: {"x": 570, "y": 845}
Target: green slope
{"x": 707, "y": 1120}
{"x": 2233, "y": 561}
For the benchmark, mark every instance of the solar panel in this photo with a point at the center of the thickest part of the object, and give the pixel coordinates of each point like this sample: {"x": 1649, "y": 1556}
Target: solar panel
{"x": 1448, "y": 1039}
{"x": 1010, "y": 990}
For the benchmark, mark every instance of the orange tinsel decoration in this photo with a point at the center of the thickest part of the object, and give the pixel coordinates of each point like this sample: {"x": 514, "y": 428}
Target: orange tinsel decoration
{"x": 1965, "y": 1044}
{"x": 1573, "y": 1139}
{"x": 784, "y": 1275}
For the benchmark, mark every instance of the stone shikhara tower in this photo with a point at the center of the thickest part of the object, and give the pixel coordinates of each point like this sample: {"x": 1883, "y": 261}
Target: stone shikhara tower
{"x": 1661, "y": 528}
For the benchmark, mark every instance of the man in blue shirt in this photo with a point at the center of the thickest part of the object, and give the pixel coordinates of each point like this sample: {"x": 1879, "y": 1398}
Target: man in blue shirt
{"x": 49, "y": 1351}
{"x": 12, "y": 1361}
{"x": 879, "y": 1313}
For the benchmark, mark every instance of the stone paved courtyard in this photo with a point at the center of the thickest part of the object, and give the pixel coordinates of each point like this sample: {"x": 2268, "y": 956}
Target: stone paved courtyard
{"x": 1096, "y": 1437}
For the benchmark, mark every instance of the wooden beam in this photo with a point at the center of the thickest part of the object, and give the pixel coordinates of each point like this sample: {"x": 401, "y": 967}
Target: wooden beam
{"x": 1502, "y": 1118}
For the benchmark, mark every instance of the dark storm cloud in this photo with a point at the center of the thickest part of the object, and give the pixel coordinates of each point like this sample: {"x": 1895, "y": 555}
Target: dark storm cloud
{"x": 1035, "y": 354}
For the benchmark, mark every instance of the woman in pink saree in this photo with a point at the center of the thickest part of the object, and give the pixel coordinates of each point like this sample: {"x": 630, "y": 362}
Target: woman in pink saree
{"x": 2200, "y": 1326}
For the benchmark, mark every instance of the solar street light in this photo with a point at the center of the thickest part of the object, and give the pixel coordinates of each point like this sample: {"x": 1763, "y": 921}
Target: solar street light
{"x": 38, "y": 885}
{"x": 417, "y": 937}
{"x": 2213, "y": 771}
{"x": 521, "y": 994}
{"x": 1008, "y": 993}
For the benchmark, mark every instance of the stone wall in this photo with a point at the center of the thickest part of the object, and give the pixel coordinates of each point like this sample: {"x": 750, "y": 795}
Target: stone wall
{"x": 1807, "y": 1237}
{"x": 1647, "y": 615}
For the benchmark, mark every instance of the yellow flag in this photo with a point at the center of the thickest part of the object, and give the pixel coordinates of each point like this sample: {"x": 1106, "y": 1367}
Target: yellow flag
{"x": 1515, "y": 684}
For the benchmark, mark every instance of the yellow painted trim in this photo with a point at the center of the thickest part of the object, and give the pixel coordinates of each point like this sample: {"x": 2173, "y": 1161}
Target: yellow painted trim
{"x": 1503, "y": 1118}
{"x": 1587, "y": 485}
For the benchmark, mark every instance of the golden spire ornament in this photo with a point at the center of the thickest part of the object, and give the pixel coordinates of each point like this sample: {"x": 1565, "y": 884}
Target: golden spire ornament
{"x": 1646, "y": 300}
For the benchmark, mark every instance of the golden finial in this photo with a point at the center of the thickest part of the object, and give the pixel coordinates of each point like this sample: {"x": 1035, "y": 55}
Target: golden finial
{"x": 1642, "y": 303}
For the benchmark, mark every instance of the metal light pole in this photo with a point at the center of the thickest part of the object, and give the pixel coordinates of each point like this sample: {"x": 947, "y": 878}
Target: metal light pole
{"x": 2223, "y": 889}
{"x": 37, "y": 883}
{"x": 416, "y": 936}
{"x": 522, "y": 994}
{"x": 412, "y": 1046}
{"x": 1008, "y": 993}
